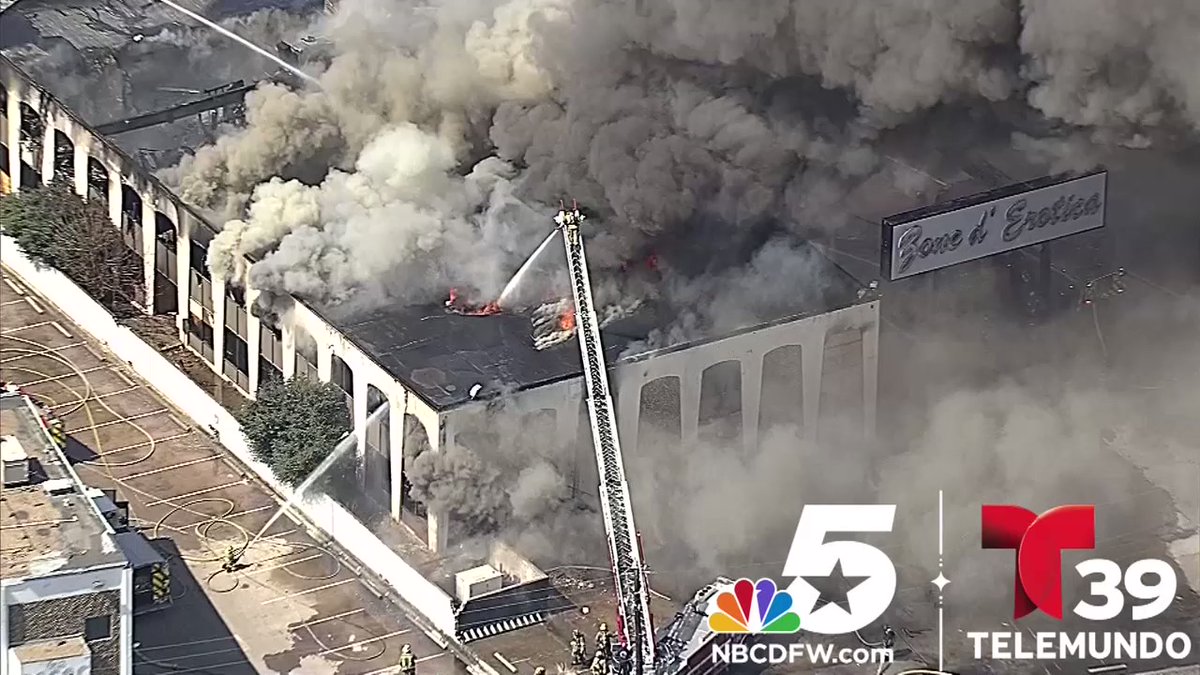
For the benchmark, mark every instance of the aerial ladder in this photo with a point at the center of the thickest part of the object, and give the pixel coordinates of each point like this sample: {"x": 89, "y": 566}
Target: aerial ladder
{"x": 634, "y": 629}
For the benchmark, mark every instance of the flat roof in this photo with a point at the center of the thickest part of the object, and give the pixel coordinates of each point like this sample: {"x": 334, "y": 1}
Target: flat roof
{"x": 440, "y": 355}
{"x": 40, "y": 534}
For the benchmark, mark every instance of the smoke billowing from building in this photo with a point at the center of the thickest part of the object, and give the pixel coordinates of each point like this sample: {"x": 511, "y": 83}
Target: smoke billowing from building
{"x": 442, "y": 136}
{"x": 660, "y": 115}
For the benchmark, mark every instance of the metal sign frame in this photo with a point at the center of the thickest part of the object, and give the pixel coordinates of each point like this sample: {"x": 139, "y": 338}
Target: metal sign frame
{"x": 891, "y": 224}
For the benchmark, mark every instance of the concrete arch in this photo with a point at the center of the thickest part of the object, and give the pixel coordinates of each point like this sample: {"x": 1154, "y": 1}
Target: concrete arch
{"x": 33, "y": 128}
{"x": 166, "y": 261}
{"x": 341, "y": 375}
{"x": 97, "y": 181}
{"x": 377, "y": 464}
{"x": 720, "y": 407}
{"x": 842, "y": 381}
{"x": 416, "y": 442}
{"x": 64, "y": 159}
{"x": 782, "y": 401}
{"x": 660, "y": 412}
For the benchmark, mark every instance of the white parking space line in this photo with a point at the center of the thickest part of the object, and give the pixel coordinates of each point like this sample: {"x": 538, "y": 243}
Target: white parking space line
{"x": 310, "y": 590}
{"x": 121, "y": 374}
{"x": 46, "y": 351}
{"x": 58, "y": 327}
{"x": 6, "y": 303}
{"x": 16, "y": 289}
{"x": 297, "y": 561}
{"x": 122, "y": 420}
{"x": 143, "y": 444}
{"x": 368, "y": 641}
{"x": 10, "y": 331}
{"x": 172, "y": 467}
{"x": 206, "y": 669}
{"x": 335, "y": 617}
{"x": 396, "y": 669}
{"x": 278, "y": 536}
{"x": 195, "y": 493}
{"x": 56, "y": 378}
{"x": 36, "y": 307}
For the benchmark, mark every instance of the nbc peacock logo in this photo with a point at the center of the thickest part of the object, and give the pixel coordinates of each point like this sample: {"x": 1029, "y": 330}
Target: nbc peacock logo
{"x": 754, "y": 607}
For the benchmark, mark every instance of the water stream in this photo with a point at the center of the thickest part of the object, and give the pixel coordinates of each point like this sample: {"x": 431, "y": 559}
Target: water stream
{"x": 511, "y": 287}
{"x": 347, "y": 443}
{"x": 244, "y": 42}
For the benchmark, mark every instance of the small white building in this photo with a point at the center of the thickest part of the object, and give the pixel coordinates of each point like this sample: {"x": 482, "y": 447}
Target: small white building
{"x": 66, "y": 588}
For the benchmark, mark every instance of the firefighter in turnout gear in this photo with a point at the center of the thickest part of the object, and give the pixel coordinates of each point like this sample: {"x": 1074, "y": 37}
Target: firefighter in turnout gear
{"x": 578, "y": 648}
{"x": 408, "y": 662}
{"x": 231, "y": 559}
{"x": 603, "y": 642}
{"x": 599, "y": 665}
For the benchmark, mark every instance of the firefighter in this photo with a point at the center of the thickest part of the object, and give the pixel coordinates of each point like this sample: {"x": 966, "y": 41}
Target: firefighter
{"x": 578, "y": 648}
{"x": 231, "y": 559}
{"x": 408, "y": 663}
{"x": 539, "y": 671}
{"x": 889, "y": 637}
{"x": 603, "y": 641}
{"x": 599, "y": 665}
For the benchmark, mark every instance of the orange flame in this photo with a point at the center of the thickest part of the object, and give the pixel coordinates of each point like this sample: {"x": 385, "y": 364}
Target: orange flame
{"x": 567, "y": 320}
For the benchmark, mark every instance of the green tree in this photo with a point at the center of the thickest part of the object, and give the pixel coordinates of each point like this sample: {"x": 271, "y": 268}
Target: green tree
{"x": 56, "y": 228}
{"x": 293, "y": 425}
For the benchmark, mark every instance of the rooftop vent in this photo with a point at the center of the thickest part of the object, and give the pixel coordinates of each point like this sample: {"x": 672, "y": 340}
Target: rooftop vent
{"x": 16, "y": 462}
{"x": 58, "y": 487}
{"x": 477, "y": 581}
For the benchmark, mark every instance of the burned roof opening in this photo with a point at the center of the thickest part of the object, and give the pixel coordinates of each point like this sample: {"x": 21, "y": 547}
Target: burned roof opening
{"x": 441, "y": 355}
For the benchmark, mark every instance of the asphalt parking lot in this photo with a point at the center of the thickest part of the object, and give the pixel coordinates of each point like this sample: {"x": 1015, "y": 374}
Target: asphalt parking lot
{"x": 293, "y": 607}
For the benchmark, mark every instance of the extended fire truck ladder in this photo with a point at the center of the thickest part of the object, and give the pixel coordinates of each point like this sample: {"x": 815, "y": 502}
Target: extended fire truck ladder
{"x": 633, "y": 601}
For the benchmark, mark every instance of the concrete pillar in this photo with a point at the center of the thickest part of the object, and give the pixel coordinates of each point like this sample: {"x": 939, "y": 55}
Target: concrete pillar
{"x": 253, "y": 339}
{"x": 13, "y": 112}
{"x": 438, "y": 520}
{"x": 218, "y": 293}
{"x": 288, "y": 335}
{"x": 115, "y": 197}
{"x": 751, "y": 368}
{"x": 870, "y": 366}
{"x": 812, "y": 359}
{"x": 324, "y": 360}
{"x": 48, "y": 151}
{"x": 183, "y": 274}
{"x": 81, "y": 167}
{"x": 149, "y": 250}
{"x": 397, "y": 407}
{"x": 629, "y": 409}
{"x": 689, "y": 406}
{"x": 359, "y": 392}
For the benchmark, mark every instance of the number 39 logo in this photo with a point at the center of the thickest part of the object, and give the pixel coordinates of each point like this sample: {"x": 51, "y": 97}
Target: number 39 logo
{"x": 873, "y": 575}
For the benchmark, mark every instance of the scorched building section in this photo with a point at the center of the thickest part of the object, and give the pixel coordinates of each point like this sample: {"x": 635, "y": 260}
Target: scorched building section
{"x": 441, "y": 375}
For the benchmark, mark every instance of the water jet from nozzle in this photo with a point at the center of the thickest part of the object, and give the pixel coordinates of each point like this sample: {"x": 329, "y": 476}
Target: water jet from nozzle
{"x": 244, "y": 42}
{"x": 511, "y": 287}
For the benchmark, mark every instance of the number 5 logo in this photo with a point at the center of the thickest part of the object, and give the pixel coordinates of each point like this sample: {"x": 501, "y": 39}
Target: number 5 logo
{"x": 812, "y": 556}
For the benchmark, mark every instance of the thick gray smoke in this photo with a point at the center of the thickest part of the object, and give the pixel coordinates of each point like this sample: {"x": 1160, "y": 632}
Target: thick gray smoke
{"x": 153, "y": 65}
{"x": 661, "y": 115}
{"x": 441, "y": 136}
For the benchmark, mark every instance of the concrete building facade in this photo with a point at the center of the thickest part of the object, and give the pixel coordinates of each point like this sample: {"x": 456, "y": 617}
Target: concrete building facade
{"x": 42, "y": 138}
{"x": 66, "y": 588}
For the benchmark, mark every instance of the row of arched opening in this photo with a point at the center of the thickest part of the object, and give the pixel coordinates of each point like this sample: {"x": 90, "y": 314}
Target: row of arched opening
{"x": 97, "y": 181}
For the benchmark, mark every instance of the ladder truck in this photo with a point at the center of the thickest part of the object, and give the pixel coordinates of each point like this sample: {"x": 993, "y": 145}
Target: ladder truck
{"x": 634, "y": 629}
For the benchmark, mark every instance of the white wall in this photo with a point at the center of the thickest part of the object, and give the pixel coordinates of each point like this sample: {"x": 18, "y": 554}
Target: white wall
{"x": 25, "y": 591}
{"x": 324, "y": 513}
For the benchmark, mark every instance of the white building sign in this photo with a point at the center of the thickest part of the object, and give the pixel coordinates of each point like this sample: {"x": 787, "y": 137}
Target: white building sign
{"x": 993, "y": 222}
